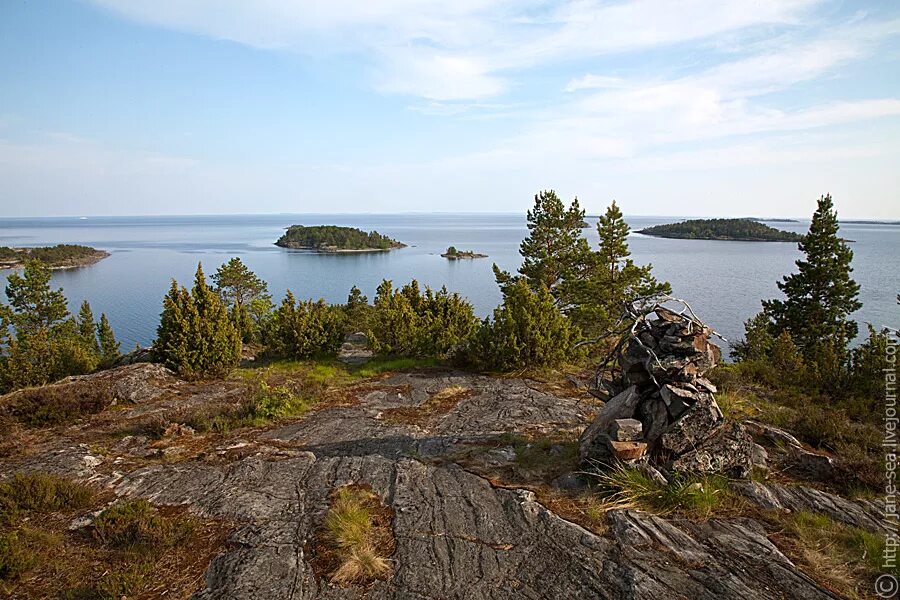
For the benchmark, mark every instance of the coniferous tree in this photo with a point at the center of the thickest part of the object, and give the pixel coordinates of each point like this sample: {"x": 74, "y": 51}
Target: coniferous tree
{"x": 40, "y": 341}
{"x": 305, "y": 329}
{"x": 86, "y": 327}
{"x": 243, "y": 293}
{"x": 612, "y": 278}
{"x": 35, "y": 304}
{"x": 527, "y": 331}
{"x": 196, "y": 337}
{"x": 821, "y": 295}
{"x": 408, "y": 322}
{"x": 555, "y": 253}
{"x": 109, "y": 347}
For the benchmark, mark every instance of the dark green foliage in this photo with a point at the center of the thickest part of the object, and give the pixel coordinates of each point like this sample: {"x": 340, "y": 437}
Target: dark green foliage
{"x": 196, "y": 337}
{"x": 555, "y": 253}
{"x": 588, "y": 286}
{"x": 721, "y": 229}
{"x": 245, "y": 295}
{"x": 758, "y": 339}
{"x": 109, "y": 347}
{"x": 610, "y": 278}
{"x": 527, "y": 331}
{"x": 86, "y": 327}
{"x": 332, "y": 237}
{"x": 821, "y": 295}
{"x": 39, "y": 340}
{"x": 36, "y": 305}
{"x": 869, "y": 363}
{"x": 303, "y": 329}
{"x": 407, "y": 322}
{"x": 357, "y": 312}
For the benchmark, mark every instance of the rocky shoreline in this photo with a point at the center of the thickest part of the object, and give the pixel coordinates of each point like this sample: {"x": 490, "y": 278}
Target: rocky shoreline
{"x": 70, "y": 263}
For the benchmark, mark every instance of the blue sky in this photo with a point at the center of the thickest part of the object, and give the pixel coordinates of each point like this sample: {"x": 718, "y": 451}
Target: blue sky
{"x": 699, "y": 107}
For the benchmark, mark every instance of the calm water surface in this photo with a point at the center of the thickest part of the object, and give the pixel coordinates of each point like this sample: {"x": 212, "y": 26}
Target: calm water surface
{"x": 724, "y": 281}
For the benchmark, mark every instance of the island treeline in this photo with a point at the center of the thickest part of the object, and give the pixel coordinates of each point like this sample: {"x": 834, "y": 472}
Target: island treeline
{"x": 747, "y": 230}
{"x": 55, "y": 257}
{"x": 332, "y": 238}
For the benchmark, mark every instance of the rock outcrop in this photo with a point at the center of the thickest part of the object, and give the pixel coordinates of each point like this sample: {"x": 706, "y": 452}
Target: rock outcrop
{"x": 663, "y": 361}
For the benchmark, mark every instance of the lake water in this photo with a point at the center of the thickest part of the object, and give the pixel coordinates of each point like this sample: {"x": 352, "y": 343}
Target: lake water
{"x": 723, "y": 281}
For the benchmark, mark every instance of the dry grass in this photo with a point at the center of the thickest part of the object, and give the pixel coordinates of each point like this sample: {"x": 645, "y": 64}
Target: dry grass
{"x": 55, "y": 404}
{"x": 356, "y": 541}
{"x": 435, "y": 406}
{"x": 133, "y": 548}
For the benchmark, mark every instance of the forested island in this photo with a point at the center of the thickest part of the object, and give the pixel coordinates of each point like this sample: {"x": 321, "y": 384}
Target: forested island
{"x": 332, "y": 238}
{"x": 61, "y": 256}
{"x": 744, "y": 230}
{"x": 453, "y": 254}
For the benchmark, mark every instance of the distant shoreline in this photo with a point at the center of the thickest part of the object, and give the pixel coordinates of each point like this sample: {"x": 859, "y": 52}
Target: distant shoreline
{"x": 63, "y": 264}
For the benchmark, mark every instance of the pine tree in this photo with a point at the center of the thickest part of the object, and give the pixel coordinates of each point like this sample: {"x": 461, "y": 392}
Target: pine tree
{"x": 555, "y": 250}
{"x": 821, "y": 295}
{"x": 239, "y": 288}
{"x": 40, "y": 340}
{"x": 34, "y": 303}
{"x": 86, "y": 328}
{"x": 109, "y": 347}
{"x": 611, "y": 279}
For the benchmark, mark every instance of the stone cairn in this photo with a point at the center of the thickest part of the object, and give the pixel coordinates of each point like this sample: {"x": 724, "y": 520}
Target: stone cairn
{"x": 661, "y": 409}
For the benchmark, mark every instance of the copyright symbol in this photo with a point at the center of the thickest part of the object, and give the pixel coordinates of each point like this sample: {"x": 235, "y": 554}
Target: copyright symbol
{"x": 886, "y": 586}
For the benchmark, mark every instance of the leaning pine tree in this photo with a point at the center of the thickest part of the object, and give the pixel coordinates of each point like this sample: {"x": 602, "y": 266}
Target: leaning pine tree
{"x": 821, "y": 295}
{"x": 195, "y": 336}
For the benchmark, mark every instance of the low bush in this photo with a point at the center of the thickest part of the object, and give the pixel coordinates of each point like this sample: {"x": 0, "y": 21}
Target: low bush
{"x": 408, "y": 322}
{"x": 41, "y": 493}
{"x": 527, "y": 331}
{"x": 304, "y": 329}
{"x": 136, "y": 525}
{"x": 52, "y": 405}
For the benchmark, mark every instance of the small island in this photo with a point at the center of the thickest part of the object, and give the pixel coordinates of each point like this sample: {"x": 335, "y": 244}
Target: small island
{"x": 335, "y": 239}
{"x": 61, "y": 256}
{"x": 453, "y": 254}
{"x": 742, "y": 230}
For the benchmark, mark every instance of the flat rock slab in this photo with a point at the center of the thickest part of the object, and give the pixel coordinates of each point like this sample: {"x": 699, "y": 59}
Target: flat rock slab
{"x": 459, "y": 537}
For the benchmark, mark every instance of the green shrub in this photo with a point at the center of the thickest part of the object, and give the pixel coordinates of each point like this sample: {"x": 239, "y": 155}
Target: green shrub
{"x": 196, "y": 337}
{"x": 52, "y": 405}
{"x": 41, "y": 493}
{"x": 40, "y": 341}
{"x": 305, "y": 329}
{"x": 527, "y": 331}
{"x": 407, "y": 322}
{"x": 136, "y": 525}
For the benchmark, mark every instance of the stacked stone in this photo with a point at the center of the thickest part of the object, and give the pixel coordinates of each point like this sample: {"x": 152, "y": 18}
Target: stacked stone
{"x": 666, "y": 412}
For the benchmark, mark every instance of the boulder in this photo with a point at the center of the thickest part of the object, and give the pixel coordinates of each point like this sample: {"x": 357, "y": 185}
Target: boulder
{"x": 697, "y": 424}
{"x": 622, "y": 406}
{"x": 627, "y": 451}
{"x": 729, "y": 451}
{"x": 626, "y": 430}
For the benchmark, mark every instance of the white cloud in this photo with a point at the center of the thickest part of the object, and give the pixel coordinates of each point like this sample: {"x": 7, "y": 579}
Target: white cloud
{"x": 469, "y": 46}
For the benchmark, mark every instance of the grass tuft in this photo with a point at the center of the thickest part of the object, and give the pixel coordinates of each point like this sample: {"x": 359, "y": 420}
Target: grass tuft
{"x": 358, "y": 539}
{"x": 692, "y": 496}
